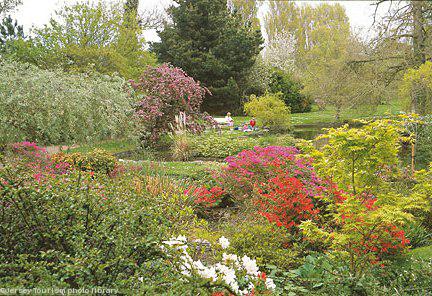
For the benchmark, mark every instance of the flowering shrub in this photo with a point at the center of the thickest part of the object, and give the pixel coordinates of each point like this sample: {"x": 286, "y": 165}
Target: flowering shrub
{"x": 81, "y": 229}
{"x": 284, "y": 200}
{"x": 238, "y": 276}
{"x": 205, "y": 197}
{"x": 365, "y": 232}
{"x": 37, "y": 160}
{"x": 163, "y": 93}
{"x": 252, "y": 167}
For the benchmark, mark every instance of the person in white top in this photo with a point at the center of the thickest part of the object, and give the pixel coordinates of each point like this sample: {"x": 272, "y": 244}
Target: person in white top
{"x": 229, "y": 121}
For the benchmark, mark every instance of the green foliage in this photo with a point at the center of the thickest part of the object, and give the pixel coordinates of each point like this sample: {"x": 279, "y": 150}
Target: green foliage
{"x": 325, "y": 275}
{"x": 8, "y": 5}
{"x": 221, "y": 146}
{"x": 97, "y": 160}
{"x": 417, "y": 88}
{"x": 9, "y": 30}
{"x": 418, "y": 235}
{"x": 85, "y": 37}
{"x": 211, "y": 45}
{"x": 290, "y": 89}
{"x": 88, "y": 237}
{"x": 77, "y": 229}
{"x": 270, "y": 245}
{"x": 360, "y": 159}
{"x": 270, "y": 110}
{"x": 51, "y": 107}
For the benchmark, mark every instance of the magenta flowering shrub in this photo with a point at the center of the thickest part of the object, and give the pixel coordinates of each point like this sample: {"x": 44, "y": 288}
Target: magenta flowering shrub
{"x": 250, "y": 168}
{"x": 38, "y": 161}
{"x": 163, "y": 93}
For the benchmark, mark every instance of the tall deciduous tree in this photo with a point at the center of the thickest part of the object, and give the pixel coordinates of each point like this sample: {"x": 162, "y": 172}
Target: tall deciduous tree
{"x": 248, "y": 10}
{"x": 87, "y": 36}
{"x": 9, "y": 30}
{"x": 213, "y": 46}
{"x": 407, "y": 24}
{"x": 8, "y": 5}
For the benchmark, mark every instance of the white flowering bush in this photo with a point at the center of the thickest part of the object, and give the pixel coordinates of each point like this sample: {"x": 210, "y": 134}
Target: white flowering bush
{"x": 234, "y": 274}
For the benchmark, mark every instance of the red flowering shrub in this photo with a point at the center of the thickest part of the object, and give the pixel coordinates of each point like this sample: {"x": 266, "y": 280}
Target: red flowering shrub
{"x": 371, "y": 234}
{"x": 163, "y": 93}
{"x": 284, "y": 200}
{"x": 206, "y": 197}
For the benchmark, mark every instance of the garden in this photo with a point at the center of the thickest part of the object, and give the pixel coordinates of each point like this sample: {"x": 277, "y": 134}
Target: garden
{"x": 176, "y": 170}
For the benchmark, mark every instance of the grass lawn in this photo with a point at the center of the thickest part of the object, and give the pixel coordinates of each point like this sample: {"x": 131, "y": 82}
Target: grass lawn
{"x": 179, "y": 169}
{"x": 328, "y": 115}
{"x": 424, "y": 253}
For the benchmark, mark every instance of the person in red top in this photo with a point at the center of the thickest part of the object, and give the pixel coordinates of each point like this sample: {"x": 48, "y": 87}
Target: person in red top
{"x": 252, "y": 123}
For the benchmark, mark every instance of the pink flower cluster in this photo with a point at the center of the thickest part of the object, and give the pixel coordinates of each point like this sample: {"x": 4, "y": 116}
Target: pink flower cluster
{"x": 250, "y": 168}
{"x": 38, "y": 161}
{"x": 164, "y": 92}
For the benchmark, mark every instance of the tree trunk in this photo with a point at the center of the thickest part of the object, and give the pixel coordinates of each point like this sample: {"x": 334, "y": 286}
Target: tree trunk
{"x": 419, "y": 33}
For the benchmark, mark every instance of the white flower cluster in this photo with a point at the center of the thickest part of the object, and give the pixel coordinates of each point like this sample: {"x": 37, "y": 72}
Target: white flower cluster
{"x": 228, "y": 270}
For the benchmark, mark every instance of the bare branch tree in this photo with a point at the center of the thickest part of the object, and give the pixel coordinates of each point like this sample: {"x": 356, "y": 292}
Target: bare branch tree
{"x": 8, "y": 5}
{"x": 151, "y": 19}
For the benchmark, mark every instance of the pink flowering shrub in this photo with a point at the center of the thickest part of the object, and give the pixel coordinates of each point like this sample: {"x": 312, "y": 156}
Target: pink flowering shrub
{"x": 252, "y": 167}
{"x": 163, "y": 93}
{"x": 38, "y": 161}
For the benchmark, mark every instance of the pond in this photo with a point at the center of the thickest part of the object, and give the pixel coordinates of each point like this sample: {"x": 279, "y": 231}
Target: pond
{"x": 311, "y": 131}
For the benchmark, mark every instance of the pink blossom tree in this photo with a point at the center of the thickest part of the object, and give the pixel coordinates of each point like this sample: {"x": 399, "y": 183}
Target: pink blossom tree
{"x": 163, "y": 92}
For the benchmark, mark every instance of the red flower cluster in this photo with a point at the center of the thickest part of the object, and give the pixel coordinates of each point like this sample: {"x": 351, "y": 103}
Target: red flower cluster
{"x": 205, "y": 197}
{"x": 284, "y": 200}
{"x": 376, "y": 238}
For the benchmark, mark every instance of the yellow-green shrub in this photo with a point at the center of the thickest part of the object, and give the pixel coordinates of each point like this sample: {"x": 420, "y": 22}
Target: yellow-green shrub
{"x": 97, "y": 160}
{"x": 271, "y": 110}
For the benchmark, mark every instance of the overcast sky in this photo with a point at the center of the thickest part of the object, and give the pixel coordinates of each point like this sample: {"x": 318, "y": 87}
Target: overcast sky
{"x": 37, "y": 12}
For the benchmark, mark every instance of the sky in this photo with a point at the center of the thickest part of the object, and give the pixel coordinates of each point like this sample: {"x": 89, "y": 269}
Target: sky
{"x": 38, "y": 12}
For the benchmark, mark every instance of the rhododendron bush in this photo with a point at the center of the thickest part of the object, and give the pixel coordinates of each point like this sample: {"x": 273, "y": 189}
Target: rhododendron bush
{"x": 250, "y": 168}
{"x": 280, "y": 184}
{"x": 163, "y": 92}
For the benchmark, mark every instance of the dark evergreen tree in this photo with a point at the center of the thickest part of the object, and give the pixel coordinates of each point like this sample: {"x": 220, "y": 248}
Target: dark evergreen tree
{"x": 291, "y": 91}
{"x": 213, "y": 46}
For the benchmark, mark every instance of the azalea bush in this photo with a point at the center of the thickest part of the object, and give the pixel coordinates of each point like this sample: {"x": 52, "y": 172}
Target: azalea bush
{"x": 162, "y": 93}
{"x": 231, "y": 274}
{"x": 53, "y": 107}
{"x": 250, "y": 168}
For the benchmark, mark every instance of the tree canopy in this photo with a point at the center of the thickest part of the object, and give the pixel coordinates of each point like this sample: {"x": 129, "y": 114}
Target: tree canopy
{"x": 212, "y": 45}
